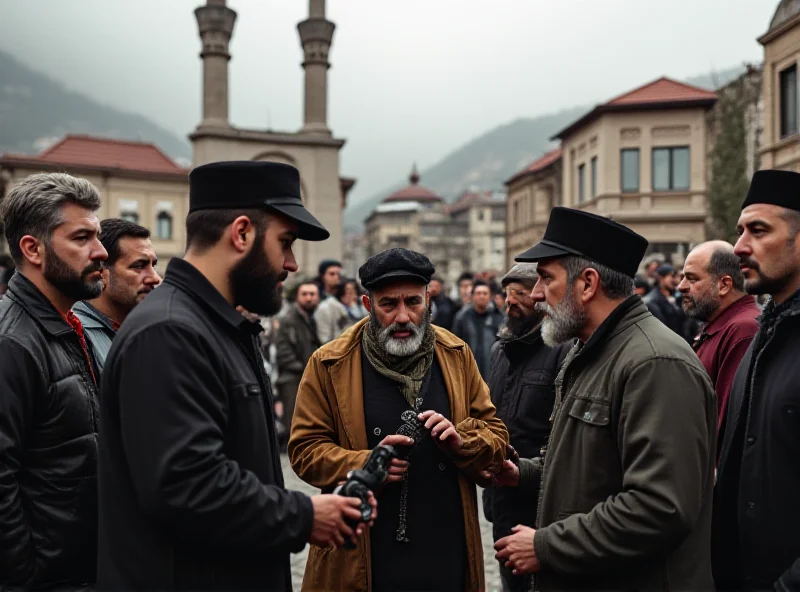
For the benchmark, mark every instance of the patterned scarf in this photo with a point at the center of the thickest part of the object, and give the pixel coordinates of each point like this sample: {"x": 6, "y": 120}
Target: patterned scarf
{"x": 407, "y": 371}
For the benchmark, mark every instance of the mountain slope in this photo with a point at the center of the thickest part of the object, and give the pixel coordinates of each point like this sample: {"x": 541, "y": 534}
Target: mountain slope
{"x": 35, "y": 111}
{"x": 487, "y": 161}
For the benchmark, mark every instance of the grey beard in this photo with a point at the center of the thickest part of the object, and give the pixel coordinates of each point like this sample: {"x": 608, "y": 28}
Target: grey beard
{"x": 562, "y": 322}
{"x": 400, "y": 347}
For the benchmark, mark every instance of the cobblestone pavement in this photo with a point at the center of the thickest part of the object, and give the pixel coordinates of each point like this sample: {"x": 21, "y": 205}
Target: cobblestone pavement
{"x": 299, "y": 559}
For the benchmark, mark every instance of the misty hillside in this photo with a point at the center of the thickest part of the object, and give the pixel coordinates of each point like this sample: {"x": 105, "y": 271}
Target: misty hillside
{"x": 487, "y": 161}
{"x": 35, "y": 111}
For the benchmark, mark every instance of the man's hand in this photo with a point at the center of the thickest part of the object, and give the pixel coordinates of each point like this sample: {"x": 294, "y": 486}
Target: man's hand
{"x": 330, "y": 512}
{"x": 397, "y": 468}
{"x": 442, "y": 431}
{"x": 516, "y": 551}
{"x": 507, "y": 476}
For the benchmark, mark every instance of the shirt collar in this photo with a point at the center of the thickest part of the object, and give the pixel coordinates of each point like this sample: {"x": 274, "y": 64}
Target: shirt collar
{"x": 185, "y": 276}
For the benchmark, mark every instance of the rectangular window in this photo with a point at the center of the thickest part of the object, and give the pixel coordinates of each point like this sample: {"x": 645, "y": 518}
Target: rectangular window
{"x": 788, "y": 104}
{"x": 580, "y": 183}
{"x": 594, "y": 176}
{"x": 671, "y": 169}
{"x": 629, "y": 170}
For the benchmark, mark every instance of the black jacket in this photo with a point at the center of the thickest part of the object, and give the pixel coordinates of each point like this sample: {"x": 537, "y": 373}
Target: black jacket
{"x": 191, "y": 489}
{"x": 445, "y": 311}
{"x": 48, "y": 446}
{"x": 479, "y": 331}
{"x": 757, "y": 496}
{"x": 522, "y": 386}
{"x": 671, "y": 315}
{"x": 295, "y": 341}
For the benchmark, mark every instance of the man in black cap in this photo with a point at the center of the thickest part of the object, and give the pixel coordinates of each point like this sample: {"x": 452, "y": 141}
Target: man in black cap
{"x": 757, "y": 499}
{"x": 627, "y": 473}
{"x": 522, "y": 386}
{"x": 191, "y": 492}
{"x": 396, "y": 379}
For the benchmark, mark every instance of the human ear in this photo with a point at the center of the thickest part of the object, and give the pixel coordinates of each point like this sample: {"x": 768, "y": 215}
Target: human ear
{"x": 32, "y": 250}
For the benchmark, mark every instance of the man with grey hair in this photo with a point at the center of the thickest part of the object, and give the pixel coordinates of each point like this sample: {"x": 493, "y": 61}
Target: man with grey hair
{"x": 396, "y": 379}
{"x": 625, "y": 481}
{"x": 522, "y": 386}
{"x": 713, "y": 292}
{"x": 48, "y": 389}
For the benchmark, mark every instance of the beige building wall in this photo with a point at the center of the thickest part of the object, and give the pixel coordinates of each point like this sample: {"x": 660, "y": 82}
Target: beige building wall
{"x": 781, "y": 51}
{"x": 487, "y": 229}
{"x": 530, "y": 199}
{"x": 145, "y": 197}
{"x": 661, "y": 216}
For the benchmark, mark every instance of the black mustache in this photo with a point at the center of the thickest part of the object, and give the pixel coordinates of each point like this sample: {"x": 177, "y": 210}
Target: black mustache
{"x": 92, "y": 268}
{"x": 748, "y": 262}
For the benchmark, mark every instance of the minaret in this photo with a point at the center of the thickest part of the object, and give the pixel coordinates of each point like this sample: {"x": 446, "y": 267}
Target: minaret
{"x": 215, "y": 22}
{"x": 316, "y": 35}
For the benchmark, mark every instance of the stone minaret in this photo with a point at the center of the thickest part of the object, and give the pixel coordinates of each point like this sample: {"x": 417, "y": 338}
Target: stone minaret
{"x": 215, "y": 22}
{"x": 316, "y": 35}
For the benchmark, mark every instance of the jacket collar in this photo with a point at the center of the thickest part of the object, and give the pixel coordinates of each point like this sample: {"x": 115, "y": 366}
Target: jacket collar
{"x": 723, "y": 319}
{"x": 23, "y": 291}
{"x": 91, "y": 318}
{"x": 344, "y": 345}
{"x": 775, "y": 313}
{"x": 185, "y": 276}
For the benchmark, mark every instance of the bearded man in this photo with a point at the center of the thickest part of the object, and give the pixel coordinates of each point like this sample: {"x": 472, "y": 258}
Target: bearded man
{"x": 191, "y": 489}
{"x": 712, "y": 291}
{"x": 522, "y": 387}
{"x": 627, "y": 473}
{"x": 757, "y": 498}
{"x": 48, "y": 393}
{"x": 129, "y": 274}
{"x": 395, "y": 372}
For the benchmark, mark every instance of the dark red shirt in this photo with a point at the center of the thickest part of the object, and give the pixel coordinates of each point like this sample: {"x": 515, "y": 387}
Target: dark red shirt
{"x": 76, "y": 325}
{"x": 721, "y": 345}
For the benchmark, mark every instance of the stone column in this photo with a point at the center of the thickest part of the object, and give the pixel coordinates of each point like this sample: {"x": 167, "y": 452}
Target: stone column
{"x": 316, "y": 35}
{"x": 215, "y": 22}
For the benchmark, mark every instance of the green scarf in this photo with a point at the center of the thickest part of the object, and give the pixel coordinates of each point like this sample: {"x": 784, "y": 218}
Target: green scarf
{"x": 407, "y": 371}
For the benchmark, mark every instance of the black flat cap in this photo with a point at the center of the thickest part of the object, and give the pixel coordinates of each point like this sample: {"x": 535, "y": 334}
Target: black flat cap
{"x": 778, "y": 188}
{"x": 248, "y": 184}
{"x": 395, "y": 264}
{"x": 574, "y": 232}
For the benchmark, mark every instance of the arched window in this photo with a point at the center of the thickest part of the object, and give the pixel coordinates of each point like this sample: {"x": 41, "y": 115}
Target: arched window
{"x": 164, "y": 226}
{"x": 130, "y": 217}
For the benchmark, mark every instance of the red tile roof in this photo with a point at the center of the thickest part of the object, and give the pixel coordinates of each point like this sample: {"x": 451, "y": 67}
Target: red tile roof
{"x": 663, "y": 90}
{"x": 663, "y": 93}
{"x": 537, "y": 165}
{"x": 103, "y": 154}
{"x": 414, "y": 191}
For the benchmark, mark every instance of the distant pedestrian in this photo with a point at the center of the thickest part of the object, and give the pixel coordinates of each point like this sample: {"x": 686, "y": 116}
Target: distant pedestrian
{"x": 477, "y": 324}
{"x": 328, "y": 278}
{"x": 337, "y": 314}
{"x": 444, "y": 309}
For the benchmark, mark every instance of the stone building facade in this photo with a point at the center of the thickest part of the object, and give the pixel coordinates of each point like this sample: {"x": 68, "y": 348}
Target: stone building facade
{"x": 780, "y": 147}
{"x": 532, "y": 193}
{"x": 313, "y": 150}
{"x": 136, "y": 181}
{"x": 484, "y": 214}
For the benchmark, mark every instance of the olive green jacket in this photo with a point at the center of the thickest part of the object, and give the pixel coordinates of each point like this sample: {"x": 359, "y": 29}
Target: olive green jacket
{"x": 628, "y": 473}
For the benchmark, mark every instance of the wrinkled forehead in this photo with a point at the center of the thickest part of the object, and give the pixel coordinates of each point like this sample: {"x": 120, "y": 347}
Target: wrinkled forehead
{"x": 768, "y": 213}
{"x": 400, "y": 290}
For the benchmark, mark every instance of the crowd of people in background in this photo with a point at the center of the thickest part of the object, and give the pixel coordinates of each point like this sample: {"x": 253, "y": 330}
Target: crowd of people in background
{"x": 632, "y": 421}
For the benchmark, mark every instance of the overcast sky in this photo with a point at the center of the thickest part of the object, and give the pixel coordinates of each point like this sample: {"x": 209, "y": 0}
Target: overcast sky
{"x": 411, "y": 79}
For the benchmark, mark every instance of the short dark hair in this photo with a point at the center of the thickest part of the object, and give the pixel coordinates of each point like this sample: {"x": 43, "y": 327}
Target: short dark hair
{"x": 295, "y": 291}
{"x": 724, "y": 262}
{"x": 114, "y": 229}
{"x": 437, "y": 278}
{"x": 792, "y": 218}
{"x": 342, "y": 287}
{"x": 467, "y": 275}
{"x": 204, "y": 228}
{"x": 478, "y": 284}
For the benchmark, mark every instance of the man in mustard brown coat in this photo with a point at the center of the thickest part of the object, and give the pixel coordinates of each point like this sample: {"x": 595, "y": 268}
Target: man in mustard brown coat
{"x": 395, "y": 370}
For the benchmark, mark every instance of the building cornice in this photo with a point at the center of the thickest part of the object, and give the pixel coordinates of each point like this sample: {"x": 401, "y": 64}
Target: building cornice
{"x": 266, "y": 137}
{"x": 17, "y": 162}
{"x": 773, "y": 34}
